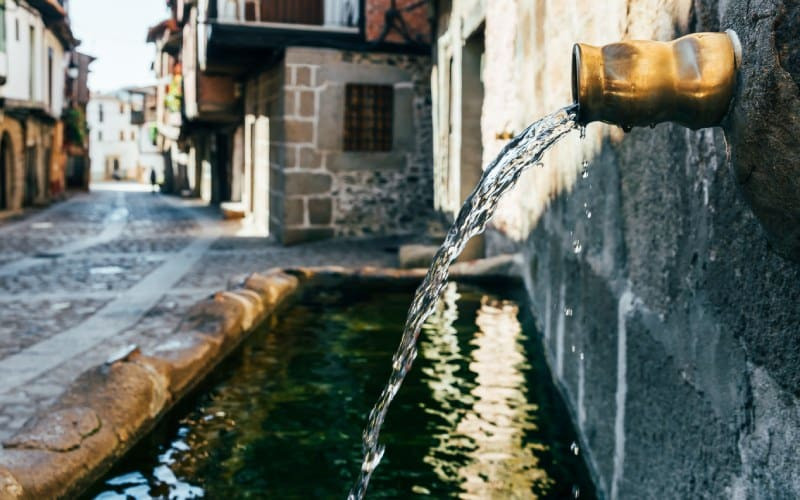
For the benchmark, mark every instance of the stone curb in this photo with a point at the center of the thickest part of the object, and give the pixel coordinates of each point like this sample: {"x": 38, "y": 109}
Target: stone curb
{"x": 106, "y": 410}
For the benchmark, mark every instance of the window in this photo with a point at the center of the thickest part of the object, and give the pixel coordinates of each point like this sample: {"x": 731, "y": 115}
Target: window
{"x": 121, "y": 135}
{"x": 100, "y": 113}
{"x": 133, "y": 135}
{"x": 2, "y": 25}
{"x": 368, "y": 117}
{"x": 100, "y": 135}
{"x": 50, "y": 76}
{"x": 32, "y": 63}
{"x": 122, "y": 108}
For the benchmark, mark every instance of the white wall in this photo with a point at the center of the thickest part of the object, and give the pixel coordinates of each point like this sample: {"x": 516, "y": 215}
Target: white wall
{"x": 56, "y": 96}
{"x": 20, "y": 18}
{"x": 109, "y": 144}
{"x": 149, "y": 155}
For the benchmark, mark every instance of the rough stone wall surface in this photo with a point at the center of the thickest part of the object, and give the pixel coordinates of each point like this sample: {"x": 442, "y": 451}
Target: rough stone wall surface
{"x": 326, "y": 191}
{"x": 262, "y": 183}
{"x": 672, "y": 326}
{"x": 416, "y": 20}
{"x": 15, "y": 174}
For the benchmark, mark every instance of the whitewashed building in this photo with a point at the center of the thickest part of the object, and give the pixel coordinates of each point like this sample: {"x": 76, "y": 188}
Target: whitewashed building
{"x": 35, "y": 39}
{"x": 120, "y": 140}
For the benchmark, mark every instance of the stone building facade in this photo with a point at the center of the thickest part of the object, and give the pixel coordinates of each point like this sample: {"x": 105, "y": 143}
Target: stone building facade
{"x": 36, "y": 37}
{"x": 317, "y": 188}
{"x": 12, "y": 156}
{"x": 669, "y": 321}
{"x": 279, "y": 104}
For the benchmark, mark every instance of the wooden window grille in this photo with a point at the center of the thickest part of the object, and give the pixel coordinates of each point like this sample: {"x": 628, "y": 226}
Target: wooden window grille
{"x": 368, "y": 117}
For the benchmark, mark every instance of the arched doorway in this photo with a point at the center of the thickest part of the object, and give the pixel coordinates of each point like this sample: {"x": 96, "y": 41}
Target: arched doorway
{"x": 31, "y": 176}
{"x": 6, "y": 167}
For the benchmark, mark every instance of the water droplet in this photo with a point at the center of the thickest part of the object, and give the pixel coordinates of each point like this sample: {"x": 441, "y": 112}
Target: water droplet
{"x": 581, "y": 356}
{"x": 574, "y": 448}
{"x": 508, "y": 166}
{"x": 576, "y": 246}
{"x": 573, "y": 347}
{"x": 588, "y": 214}
{"x": 576, "y": 492}
{"x": 568, "y": 312}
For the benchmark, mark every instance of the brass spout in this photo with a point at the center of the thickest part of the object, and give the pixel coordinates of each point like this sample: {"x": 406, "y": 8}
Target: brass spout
{"x": 689, "y": 81}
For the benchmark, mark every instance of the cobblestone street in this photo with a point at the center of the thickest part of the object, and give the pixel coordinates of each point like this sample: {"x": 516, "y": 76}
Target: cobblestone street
{"x": 119, "y": 266}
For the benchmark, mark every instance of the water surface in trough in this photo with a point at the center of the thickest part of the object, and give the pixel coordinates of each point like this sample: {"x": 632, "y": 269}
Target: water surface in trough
{"x": 479, "y": 418}
{"x": 498, "y": 178}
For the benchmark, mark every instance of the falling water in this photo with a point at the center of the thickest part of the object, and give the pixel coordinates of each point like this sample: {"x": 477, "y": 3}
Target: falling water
{"x": 522, "y": 151}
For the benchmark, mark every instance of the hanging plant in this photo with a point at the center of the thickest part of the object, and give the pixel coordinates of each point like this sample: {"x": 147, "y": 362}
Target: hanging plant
{"x": 174, "y": 95}
{"x": 75, "y": 129}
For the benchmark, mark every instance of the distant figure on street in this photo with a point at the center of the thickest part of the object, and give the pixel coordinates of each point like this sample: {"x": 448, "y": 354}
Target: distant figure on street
{"x": 153, "y": 185}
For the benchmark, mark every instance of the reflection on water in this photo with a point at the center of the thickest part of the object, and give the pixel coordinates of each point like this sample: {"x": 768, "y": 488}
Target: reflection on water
{"x": 487, "y": 418}
{"x": 478, "y": 419}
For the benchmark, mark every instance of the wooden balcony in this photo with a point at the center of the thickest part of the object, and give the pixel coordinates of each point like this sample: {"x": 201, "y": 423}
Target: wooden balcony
{"x": 285, "y": 11}
{"x": 331, "y": 14}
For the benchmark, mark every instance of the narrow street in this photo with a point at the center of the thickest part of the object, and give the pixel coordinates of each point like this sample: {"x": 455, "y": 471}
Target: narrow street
{"x": 120, "y": 266}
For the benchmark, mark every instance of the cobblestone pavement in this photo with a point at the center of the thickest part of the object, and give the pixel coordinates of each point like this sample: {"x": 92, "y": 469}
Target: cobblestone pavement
{"x": 115, "y": 267}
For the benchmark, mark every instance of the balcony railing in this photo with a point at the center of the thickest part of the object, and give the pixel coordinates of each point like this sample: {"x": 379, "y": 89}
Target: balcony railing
{"x": 334, "y": 14}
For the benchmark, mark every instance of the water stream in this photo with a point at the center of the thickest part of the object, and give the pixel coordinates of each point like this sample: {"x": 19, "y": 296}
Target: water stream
{"x": 522, "y": 151}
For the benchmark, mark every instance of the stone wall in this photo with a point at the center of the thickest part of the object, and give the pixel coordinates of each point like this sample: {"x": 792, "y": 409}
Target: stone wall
{"x": 262, "y": 182}
{"x": 34, "y": 159}
{"x": 13, "y": 132}
{"x": 318, "y": 190}
{"x": 416, "y": 20}
{"x": 669, "y": 322}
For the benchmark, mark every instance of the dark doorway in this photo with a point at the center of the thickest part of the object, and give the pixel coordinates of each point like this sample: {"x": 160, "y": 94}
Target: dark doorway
{"x": 6, "y": 167}
{"x": 471, "y": 167}
{"x": 221, "y": 163}
{"x": 31, "y": 177}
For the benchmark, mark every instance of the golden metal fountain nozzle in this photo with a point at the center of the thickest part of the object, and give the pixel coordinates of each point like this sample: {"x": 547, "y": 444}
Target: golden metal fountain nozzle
{"x": 689, "y": 81}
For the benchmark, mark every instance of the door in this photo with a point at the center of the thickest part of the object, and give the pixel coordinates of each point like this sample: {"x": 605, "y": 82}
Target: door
{"x": 31, "y": 177}
{"x": 6, "y": 163}
{"x": 471, "y": 140}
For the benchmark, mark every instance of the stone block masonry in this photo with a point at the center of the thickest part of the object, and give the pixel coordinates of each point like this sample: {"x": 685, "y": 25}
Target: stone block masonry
{"x": 673, "y": 327}
{"x": 319, "y": 190}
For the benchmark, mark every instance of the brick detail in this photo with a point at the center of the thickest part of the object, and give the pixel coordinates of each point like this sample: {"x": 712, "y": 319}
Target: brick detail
{"x": 295, "y": 212}
{"x": 307, "y": 183}
{"x": 320, "y": 211}
{"x": 299, "y": 131}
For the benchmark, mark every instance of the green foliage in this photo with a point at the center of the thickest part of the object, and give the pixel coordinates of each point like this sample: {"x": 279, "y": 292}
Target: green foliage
{"x": 154, "y": 134}
{"x": 172, "y": 101}
{"x": 75, "y": 128}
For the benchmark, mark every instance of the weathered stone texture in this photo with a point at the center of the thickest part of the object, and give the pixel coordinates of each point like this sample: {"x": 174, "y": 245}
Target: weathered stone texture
{"x": 765, "y": 117}
{"x": 346, "y": 193}
{"x": 12, "y": 131}
{"x": 674, "y": 330}
{"x": 416, "y": 19}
